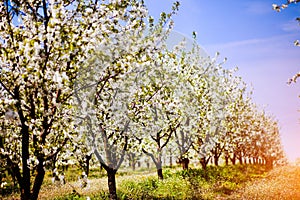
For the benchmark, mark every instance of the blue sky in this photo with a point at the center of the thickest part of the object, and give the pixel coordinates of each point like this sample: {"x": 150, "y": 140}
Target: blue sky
{"x": 256, "y": 39}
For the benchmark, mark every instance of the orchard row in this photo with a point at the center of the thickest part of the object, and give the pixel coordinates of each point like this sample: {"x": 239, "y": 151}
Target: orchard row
{"x": 96, "y": 77}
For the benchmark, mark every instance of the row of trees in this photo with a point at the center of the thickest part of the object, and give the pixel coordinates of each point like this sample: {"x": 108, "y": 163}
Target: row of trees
{"x": 96, "y": 77}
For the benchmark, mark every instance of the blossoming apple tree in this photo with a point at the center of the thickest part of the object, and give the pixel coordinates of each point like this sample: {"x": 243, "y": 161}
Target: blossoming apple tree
{"x": 118, "y": 83}
{"x": 161, "y": 115}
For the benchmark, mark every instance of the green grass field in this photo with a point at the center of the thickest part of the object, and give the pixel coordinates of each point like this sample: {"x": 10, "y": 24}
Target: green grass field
{"x": 225, "y": 182}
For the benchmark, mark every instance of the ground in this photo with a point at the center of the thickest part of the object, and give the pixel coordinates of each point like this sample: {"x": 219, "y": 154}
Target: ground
{"x": 279, "y": 184}
{"x": 222, "y": 183}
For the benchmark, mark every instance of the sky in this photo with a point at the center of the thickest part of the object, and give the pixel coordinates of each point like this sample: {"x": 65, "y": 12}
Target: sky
{"x": 257, "y": 40}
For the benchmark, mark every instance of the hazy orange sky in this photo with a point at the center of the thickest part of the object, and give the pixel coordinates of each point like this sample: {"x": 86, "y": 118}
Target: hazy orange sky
{"x": 259, "y": 41}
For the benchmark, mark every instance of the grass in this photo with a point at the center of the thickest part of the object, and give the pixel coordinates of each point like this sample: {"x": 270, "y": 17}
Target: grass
{"x": 224, "y": 182}
{"x": 214, "y": 183}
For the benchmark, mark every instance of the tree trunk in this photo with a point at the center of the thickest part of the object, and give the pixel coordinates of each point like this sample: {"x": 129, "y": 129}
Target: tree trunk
{"x": 170, "y": 160}
{"x": 38, "y": 180}
{"x": 111, "y": 175}
{"x": 216, "y": 160}
{"x": 139, "y": 164}
{"x": 248, "y": 160}
{"x": 226, "y": 158}
{"x": 241, "y": 160}
{"x": 132, "y": 160}
{"x": 226, "y": 161}
{"x": 255, "y": 160}
{"x": 87, "y": 164}
{"x": 133, "y": 165}
{"x": 25, "y": 184}
{"x": 158, "y": 165}
{"x": 185, "y": 163}
{"x": 160, "y": 174}
{"x": 159, "y": 168}
{"x": 259, "y": 161}
{"x": 233, "y": 159}
{"x": 203, "y": 163}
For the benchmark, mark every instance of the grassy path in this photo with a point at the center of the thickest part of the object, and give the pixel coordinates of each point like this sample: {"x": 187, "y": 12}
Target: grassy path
{"x": 280, "y": 184}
